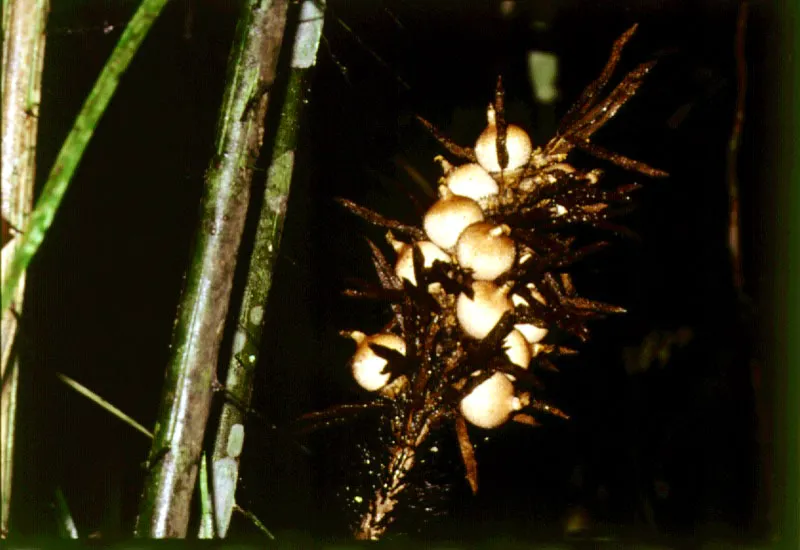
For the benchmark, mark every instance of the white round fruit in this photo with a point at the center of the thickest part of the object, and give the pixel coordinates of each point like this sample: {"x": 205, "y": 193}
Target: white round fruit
{"x": 479, "y": 315}
{"x": 471, "y": 180}
{"x": 517, "y": 349}
{"x": 491, "y": 403}
{"x": 531, "y": 332}
{"x": 487, "y": 250}
{"x": 404, "y": 268}
{"x": 368, "y": 366}
{"x": 448, "y": 217}
{"x": 518, "y": 146}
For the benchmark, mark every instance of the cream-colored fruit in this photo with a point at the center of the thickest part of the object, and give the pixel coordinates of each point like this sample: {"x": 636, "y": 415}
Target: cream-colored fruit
{"x": 531, "y": 332}
{"x": 368, "y": 366}
{"x": 448, "y": 217}
{"x": 491, "y": 403}
{"x": 470, "y": 180}
{"x": 518, "y": 146}
{"x": 479, "y": 315}
{"x": 404, "y": 267}
{"x": 517, "y": 349}
{"x": 430, "y": 254}
{"x": 487, "y": 250}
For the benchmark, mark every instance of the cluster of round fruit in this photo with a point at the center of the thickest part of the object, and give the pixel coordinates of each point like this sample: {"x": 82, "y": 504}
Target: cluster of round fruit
{"x": 459, "y": 232}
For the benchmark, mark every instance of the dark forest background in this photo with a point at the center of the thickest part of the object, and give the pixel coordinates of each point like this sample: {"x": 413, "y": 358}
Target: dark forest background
{"x": 669, "y": 449}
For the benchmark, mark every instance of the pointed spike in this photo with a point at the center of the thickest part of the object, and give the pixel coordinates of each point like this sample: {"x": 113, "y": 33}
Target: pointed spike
{"x": 501, "y": 124}
{"x": 467, "y": 454}
{"x": 526, "y": 419}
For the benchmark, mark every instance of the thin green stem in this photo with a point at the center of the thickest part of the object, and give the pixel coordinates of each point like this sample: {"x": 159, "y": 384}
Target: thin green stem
{"x": 185, "y": 404}
{"x": 72, "y": 150}
{"x": 255, "y": 521}
{"x": 247, "y": 341}
{"x": 89, "y": 394}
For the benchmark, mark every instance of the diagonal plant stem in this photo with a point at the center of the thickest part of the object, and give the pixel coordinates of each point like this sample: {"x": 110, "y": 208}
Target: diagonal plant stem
{"x": 247, "y": 341}
{"x": 72, "y": 150}
{"x": 90, "y": 395}
{"x": 186, "y": 398}
{"x": 206, "y": 528}
{"x": 23, "y": 58}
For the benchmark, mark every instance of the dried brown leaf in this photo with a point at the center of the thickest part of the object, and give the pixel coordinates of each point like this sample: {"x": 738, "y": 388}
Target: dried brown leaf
{"x": 467, "y": 454}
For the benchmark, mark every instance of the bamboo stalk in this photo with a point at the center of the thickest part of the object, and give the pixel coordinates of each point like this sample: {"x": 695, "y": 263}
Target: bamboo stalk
{"x": 72, "y": 150}
{"x": 23, "y": 58}
{"x": 247, "y": 342}
{"x": 186, "y": 398}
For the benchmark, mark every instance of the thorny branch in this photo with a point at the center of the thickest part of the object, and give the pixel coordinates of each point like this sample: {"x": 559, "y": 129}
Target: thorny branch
{"x": 538, "y": 200}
